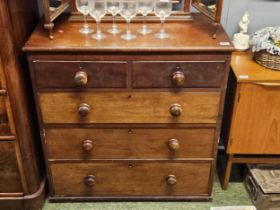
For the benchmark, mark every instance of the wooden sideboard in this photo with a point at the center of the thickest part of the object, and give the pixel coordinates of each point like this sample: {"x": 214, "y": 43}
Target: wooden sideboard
{"x": 250, "y": 128}
{"x": 130, "y": 120}
{"x": 21, "y": 177}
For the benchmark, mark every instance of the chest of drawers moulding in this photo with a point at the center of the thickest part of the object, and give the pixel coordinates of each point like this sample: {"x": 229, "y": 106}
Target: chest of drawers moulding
{"x": 120, "y": 121}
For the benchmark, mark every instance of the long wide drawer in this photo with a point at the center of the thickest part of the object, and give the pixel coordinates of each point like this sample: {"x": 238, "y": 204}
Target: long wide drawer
{"x": 131, "y": 178}
{"x": 91, "y": 143}
{"x": 62, "y": 74}
{"x": 167, "y": 74}
{"x": 130, "y": 107}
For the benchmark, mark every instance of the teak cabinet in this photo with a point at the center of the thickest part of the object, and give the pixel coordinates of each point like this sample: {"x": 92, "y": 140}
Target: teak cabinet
{"x": 130, "y": 120}
{"x": 254, "y": 92}
{"x": 22, "y": 182}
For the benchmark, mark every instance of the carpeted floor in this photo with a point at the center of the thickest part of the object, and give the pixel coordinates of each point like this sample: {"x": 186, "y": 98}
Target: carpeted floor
{"x": 235, "y": 195}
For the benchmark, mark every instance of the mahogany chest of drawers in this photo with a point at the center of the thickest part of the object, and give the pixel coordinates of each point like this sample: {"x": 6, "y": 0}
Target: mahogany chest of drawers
{"x": 130, "y": 120}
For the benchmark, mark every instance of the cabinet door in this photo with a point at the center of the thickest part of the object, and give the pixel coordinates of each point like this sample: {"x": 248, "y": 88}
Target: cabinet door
{"x": 9, "y": 175}
{"x": 255, "y": 125}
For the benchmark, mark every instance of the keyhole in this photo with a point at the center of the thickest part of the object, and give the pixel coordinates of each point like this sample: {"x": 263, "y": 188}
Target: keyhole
{"x": 131, "y": 165}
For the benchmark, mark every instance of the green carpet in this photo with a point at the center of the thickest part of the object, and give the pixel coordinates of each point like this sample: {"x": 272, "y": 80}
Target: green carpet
{"x": 235, "y": 195}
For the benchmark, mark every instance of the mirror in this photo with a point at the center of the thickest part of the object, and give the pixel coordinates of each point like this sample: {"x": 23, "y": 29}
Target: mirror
{"x": 210, "y": 8}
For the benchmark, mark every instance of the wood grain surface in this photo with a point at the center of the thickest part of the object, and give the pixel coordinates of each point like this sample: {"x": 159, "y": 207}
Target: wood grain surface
{"x": 130, "y": 107}
{"x": 129, "y": 143}
{"x": 256, "y": 120}
{"x": 191, "y": 36}
{"x": 128, "y": 178}
{"x": 10, "y": 181}
{"x": 247, "y": 70}
{"x": 61, "y": 74}
{"x": 159, "y": 74}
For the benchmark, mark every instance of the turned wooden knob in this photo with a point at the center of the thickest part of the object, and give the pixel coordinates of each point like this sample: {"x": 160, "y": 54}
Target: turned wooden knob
{"x": 87, "y": 145}
{"x": 178, "y": 78}
{"x": 171, "y": 180}
{"x": 81, "y": 78}
{"x": 173, "y": 144}
{"x": 84, "y": 110}
{"x": 90, "y": 180}
{"x": 175, "y": 110}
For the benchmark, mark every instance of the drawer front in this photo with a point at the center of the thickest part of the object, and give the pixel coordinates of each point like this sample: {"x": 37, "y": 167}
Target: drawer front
{"x": 68, "y": 74}
{"x": 134, "y": 107}
{"x": 178, "y": 74}
{"x": 129, "y": 143}
{"x": 135, "y": 178}
{"x": 9, "y": 174}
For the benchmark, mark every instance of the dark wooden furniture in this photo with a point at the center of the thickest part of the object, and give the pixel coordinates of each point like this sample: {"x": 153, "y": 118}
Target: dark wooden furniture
{"x": 252, "y": 135}
{"x": 21, "y": 179}
{"x": 136, "y": 120}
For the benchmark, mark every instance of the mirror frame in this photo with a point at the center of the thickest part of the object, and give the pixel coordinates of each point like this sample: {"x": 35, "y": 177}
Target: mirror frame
{"x": 216, "y": 17}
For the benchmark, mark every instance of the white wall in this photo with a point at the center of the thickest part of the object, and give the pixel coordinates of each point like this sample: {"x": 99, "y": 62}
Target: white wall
{"x": 262, "y": 13}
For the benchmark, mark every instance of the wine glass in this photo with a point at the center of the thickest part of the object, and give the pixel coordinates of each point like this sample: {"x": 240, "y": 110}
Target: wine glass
{"x": 145, "y": 7}
{"x": 128, "y": 12}
{"x": 97, "y": 10}
{"x": 82, "y": 7}
{"x": 114, "y": 7}
{"x": 163, "y": 9}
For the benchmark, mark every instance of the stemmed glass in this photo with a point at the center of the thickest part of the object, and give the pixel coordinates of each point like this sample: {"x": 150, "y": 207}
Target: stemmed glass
{"x": 163, "y": 9}
{"x": 97, "y": 10}
{"x": 145, "y": 7}
{"x": 128, "y": 12}
{"x": 114, "y": 7}
{"x": 82, "y": 7}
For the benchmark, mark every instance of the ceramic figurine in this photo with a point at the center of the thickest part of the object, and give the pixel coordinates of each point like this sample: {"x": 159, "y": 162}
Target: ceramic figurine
{"x": 241, "y": 39}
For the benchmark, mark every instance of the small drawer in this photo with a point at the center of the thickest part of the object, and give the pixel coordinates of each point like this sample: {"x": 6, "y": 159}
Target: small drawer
{"x": 9, "y": 174}
{"x": 89, "y": 143}
{"x": 130, "y": 107}
{"x": 57, "y": 74}
{"x": 202, "y": 74}
{"x": 131, "y": 178}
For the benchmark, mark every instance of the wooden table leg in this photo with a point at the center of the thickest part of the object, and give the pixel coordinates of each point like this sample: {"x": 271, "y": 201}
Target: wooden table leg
{"x": 227, "y": 171}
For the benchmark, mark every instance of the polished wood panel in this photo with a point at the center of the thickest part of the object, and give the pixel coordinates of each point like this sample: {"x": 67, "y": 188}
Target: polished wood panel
{"x": 4, "y": 121}
{"x": 193, "y": 36}
{"x": 129, "y": 107}
{"x": 10, "y": 181}
{"x": 247, "y": 70}
{"x": 160, "y": 74}
{"x": 130, "y": 178}
{"x": 60, "y": 74}
{"x": 20, "y": 173}
{"x": 257, "y": 113}
{"x": 78, "y": 143}
{"x": 250, "y": 128}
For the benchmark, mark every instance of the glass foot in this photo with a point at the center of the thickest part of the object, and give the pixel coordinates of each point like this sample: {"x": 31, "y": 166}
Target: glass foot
{"x": 114, "y": 30}
{"x": 162, "y": 35}
{"x": 99, "y": 36}
{"x": 144, "y": 30}
{"x": 86, "y": 30}
{"x": 128, "y": 36}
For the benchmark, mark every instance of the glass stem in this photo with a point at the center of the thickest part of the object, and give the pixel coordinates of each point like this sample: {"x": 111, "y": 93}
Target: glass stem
{"x": 144, "y": 23}
{"x": 85, "y": 22}
{"x": 162, "y": 31}
{"x": 98, "y": 29}
{"x": 128, "y": 27}
{"x": 114, "y": 22}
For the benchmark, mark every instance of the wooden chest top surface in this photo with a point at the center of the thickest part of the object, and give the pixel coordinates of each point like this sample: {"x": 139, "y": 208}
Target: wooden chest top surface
{"x": 247, "y": 70}
{"x": 189, "y": 36}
